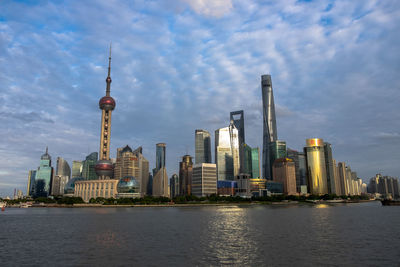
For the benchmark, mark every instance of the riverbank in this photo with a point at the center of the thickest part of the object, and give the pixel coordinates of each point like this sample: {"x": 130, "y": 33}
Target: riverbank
{"x": 194, "y": 204}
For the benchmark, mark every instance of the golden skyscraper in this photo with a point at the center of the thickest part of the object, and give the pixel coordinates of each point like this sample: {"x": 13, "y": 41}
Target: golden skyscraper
{"x": 317, "y": 181}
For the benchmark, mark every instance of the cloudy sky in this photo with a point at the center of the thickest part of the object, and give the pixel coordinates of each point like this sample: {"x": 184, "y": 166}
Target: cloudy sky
{"x": 183, "y": 65}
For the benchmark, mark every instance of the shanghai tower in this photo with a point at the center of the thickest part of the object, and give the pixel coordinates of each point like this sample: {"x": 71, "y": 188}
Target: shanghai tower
{"x": 104, "y": 167}
{"x": 269, "y": 123}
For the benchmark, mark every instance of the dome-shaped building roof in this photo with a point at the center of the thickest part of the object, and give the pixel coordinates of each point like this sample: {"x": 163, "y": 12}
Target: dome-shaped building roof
{"x": 128, "y": 184}
{"x": 70, "y": 186}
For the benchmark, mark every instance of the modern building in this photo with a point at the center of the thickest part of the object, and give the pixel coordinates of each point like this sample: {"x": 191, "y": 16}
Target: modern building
{"x": 77, "y": 166}
{"x": 31, "y": 183}
{"x": 269, "y": 124}
{"x": 227, "y": 152}
{"x": 160, "y": 155}
{"x": 128, "y": 187}
{"x": 284, "y": 171}
{"x": 237, "y": 118}
{"x": 160, "y": 183}
{"x": 61, "y": 177}
{"x": 299, "y": 160}
{"x": 44, "y": 176}
{"x": 202, "y": 146}
{"x": 174, "y": 185}
{"x": 255, "y": 163}
{"x": 104, "y": 186}
{"x": 246, "y": 161}
{"x": 316, "y": 168}
{"x": 330, "y": 171}
{"x": 204, "y": 179}
{"x": 185, "y": 175}
{"x": 226, "y": 188}
{"x": 88, "y": 166}
{"x": 277, "y": 150}
{"x": 248, "y": 187}
{"x": 344, "y": 189}
{"x": 69, "y": 189}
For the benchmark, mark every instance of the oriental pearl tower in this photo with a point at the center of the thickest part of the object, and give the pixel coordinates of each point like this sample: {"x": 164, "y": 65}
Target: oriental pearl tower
{"x": 104, "y": 167}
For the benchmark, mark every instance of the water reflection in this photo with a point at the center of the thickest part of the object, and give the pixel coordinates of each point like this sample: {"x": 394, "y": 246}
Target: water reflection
{"x": 228, "y": 237}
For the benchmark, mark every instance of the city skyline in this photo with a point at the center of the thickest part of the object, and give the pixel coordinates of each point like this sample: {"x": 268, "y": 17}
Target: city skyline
{"x": 151, "y": 107}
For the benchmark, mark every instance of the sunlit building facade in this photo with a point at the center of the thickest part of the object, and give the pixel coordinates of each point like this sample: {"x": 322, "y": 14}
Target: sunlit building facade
{"x": 202, "y": 147}
{"x": 61, "y": 177}
{"x": 269, "y": 124}
{"x": 316, "y": 168}
{"x": 277, "y": 150}
{"x": 204, "y": 179}
{"x": 227, "y": 152}
{"x": 284, "y": 171}
{"x": 185, "y": 175}
{"x": 31, "y": 183}
{"x": 76, "y": 169}
{"x": 237, "y": 118}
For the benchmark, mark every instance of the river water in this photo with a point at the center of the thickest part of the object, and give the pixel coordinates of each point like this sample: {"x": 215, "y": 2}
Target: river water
{"x": 360, "y": 234}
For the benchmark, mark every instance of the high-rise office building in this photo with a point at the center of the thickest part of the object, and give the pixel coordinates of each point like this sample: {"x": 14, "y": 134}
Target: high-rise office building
{"x": 61, "y": 178}
{"x": 330, "y": 172}
{"x": 44, "y": 176}
{"x": 317, "y": 183}
{"x": 277, "y": 150}
{"x": 202, "y": 146}
{"x": 160, "y": 155}
{"x": 336, "y": 176}
{"x": 160, "y": 178}
{"x": 174, "y": 186}
{"x": 89, "y": 166}
{"x": 255, "y": 163}
{"x": 237, "y": 118}
{"x": 284, "y": 171}
{"x": 246, "y": 162}
{"x": 299, "y": 160}
{"x": 31, "y": 183}
{"x": 185, "y": 175}
{"x": 269, "y": 124}
{"x": 76, "y": 168}
{"x": 227, "y": 152}
{"x": 344, "y": 189}
{"x": 204, "y": 179}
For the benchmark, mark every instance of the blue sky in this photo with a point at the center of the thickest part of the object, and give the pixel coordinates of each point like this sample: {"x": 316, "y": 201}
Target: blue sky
{"x": 184, "y": 65}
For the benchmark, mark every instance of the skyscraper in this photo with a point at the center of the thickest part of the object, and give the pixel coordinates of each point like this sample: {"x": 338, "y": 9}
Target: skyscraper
{"x": 89, "y": 165}
{"x": 344, "y": 189}
{"x": 269, "y": 124}
{"x": 301, "y": 168}
{"x": 174, "y": 186}
{"x": 185, "y": 175}
{"x": 31, "y": 183}
{"x": 227, "y": 152}
{"x": 160, "y": 178}
{"x": 61, "y": 178}
{"x": 284, "y": 171}
{"x": 317, "y": 183}
{"x": 277, "y": 150}
{"x": 160, "y": 156}
{"x": 204, "y": 180}
{"x": 76, "y": 169}
{"x": 44, "y": 176}
{"x": 202, "y": 146}
{"x": 330, "y": 171}
{"x": 255, "y": 162}
{"x": 104, "y": 167}
{"x": 237, "y": 118}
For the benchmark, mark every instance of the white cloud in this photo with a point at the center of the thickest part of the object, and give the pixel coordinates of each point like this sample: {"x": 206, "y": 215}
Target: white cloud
{"x": 213, "y": 8}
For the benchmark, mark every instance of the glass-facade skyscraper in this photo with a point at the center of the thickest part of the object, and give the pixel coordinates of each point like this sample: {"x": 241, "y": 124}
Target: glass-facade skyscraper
{"x": 31, "y": 183}
{"x": 61, "y": 178}
{"x": 88, "y": 167}
{"x": 227, "y": 152}
{"x": 202, "y": 146}
{"x": 277, "y": 150}
{"x": 330, "y": 174}
{"x": 76, "y": 169}
{"x": 160, "y": 156}
{"x": 255, "y": 162}
{"x": 316, "y": 168}
{"x": 269, "y": 124}
{"x": 44, "y": 176}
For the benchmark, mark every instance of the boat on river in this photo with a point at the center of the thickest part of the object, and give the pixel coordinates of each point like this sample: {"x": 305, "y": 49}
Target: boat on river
{"x": 389, "y": 202}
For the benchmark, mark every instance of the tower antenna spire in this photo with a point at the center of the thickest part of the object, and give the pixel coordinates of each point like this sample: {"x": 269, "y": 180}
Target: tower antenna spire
{"x": 108, "y": 80}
